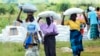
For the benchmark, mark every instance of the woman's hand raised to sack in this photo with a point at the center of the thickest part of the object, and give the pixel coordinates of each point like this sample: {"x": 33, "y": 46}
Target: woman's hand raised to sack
{"x": 86, "y": 20}
{"x": 18, "y": 17}
{"x": 62, "y": 22}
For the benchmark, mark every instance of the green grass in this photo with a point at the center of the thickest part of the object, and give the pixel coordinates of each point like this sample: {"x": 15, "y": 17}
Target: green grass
{"x": 11, "y": 49}
{"x": 91, "y": 48}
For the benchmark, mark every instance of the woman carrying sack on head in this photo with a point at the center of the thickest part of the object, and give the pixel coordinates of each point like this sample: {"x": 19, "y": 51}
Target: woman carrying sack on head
{"x": 31, "y": 42}
{"x": 50, "y": 31}
{"x": 75, "y": 34}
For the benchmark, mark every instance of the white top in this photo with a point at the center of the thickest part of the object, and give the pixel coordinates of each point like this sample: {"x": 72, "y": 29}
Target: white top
{"x": 25, "y": 25}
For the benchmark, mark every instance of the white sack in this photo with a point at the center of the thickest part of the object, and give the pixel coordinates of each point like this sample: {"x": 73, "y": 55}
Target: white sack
{"x": 73, "y": 10}
{"x": 28, "y": 8}
{"x": 49, "y": 14}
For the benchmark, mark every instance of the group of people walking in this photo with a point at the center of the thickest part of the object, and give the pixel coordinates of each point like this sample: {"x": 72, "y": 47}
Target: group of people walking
{"x": 48, "y": 31}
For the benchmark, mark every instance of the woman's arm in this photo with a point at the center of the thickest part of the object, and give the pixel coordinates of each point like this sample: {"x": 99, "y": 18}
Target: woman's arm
{"x": 55, "y": 31}
{"x": 39, "y": 27}
{"x": 40, "y": 34}
{"x": 39, "y": 30}
{"x": 18, "y": 18}
{"x": 62, "y": 22}
{"x": 86, "y": 20}
{"x": 39, "y": 19}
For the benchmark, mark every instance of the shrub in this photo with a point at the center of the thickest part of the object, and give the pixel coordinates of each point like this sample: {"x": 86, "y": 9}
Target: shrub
{"x": 3, "y": 9}
{"x": 63, "y": 6}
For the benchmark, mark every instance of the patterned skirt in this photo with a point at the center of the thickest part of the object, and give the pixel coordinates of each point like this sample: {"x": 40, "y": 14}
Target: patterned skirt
{"x": 76, "y": 41}
{"x": 94, "y": 33}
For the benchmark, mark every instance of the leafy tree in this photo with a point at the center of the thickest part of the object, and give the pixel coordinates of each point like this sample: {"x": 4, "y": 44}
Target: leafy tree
{"x": 3, "y": 9}
{"x": 11, "y": 10}
{"x": 63, "y": 6}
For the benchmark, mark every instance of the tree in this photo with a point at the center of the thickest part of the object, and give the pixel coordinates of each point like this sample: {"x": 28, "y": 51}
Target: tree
{"x": 2, "y": 9}
{"x": 64, "y": 6}
{"x": 11, "y": 11}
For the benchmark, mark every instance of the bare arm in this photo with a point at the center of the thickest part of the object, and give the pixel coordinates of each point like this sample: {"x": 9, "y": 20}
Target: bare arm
{"x": 62, "y": 22}
{"x": 40, "y": 33}
{"x": 18, "y": 18}
{"x": 39, "y": 19}
{"x": 39, "y": 26}
{"x": 86, "y": 20}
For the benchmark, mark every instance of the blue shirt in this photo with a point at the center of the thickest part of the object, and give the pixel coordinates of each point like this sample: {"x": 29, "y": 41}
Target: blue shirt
{"x": 93, "y": 17}
{"x": 31, "y": 28}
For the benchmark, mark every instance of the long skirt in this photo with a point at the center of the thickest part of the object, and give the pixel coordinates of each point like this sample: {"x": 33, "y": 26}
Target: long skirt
{"x": 94, "y": 33}
{"x": 50, "y": 45}
{"x": 76, "y": 41}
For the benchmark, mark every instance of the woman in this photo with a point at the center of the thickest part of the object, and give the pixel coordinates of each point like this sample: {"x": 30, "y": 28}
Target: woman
{"x": 32, "y": 27}
{"x": 75, "y": 34}
{"x": 50, "y": 31}
{"x": 92, "y": 16}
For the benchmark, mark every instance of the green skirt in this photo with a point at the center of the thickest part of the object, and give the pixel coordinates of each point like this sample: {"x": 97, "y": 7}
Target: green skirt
{"x": 94, "y": 33}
